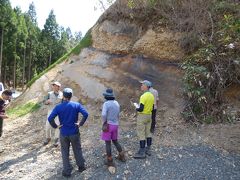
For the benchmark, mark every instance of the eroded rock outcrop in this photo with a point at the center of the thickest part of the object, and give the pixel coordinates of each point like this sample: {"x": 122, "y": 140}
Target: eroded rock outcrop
{"x": 117, "y": 32}
{"x": 162, "y": 45}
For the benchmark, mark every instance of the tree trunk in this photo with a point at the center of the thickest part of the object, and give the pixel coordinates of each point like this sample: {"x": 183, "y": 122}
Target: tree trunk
{"x": 5, "y": 74}
{"x": 24, "y": 64}
{"x": 14, "y": 67}
{"x": 14, "y": 73}
{"x": 1, "y": 50}
{"x": 30, "y": 62}
{"x": 50, "y": 57}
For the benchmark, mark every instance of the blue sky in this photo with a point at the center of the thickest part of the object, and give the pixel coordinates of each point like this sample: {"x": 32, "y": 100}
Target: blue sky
{"x": 79, "y": 15}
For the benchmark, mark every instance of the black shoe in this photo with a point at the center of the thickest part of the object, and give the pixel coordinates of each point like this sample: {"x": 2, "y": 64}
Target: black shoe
{"x": 140, "y": 154}
{"x": 81, "y": 169}
{"x": 148, "y": 151}
{"x": 66, "y": 175}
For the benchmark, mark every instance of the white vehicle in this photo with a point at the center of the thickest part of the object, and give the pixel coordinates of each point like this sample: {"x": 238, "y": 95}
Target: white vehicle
{"x": 1, "y": 88}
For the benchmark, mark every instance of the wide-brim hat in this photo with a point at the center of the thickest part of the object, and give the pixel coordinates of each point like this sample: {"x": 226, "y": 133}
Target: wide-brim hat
{"x": 108, "y": 93}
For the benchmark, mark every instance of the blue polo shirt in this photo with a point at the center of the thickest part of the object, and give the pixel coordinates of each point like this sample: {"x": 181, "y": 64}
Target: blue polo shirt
{"x": 67, "y": 113}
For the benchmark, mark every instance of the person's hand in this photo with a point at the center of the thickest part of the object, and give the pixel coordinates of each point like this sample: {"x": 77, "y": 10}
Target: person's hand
{"x": 47, "y": 102}
{"x": 4, "y": 116}
{"x": 136, "y": 105}
{"x": 59, "y": 126}
{"x": 77, "y": 124}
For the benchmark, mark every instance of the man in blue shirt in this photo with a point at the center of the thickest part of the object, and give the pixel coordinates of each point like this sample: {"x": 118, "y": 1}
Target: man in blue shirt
{"x": 67, "y": 113}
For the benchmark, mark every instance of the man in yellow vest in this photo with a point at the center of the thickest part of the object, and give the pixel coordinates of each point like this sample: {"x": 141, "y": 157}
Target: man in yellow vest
{"x": 144, "y": 120}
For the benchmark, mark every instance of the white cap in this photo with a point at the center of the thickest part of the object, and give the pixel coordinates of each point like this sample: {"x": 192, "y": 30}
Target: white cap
{"x": 56, "y": 83}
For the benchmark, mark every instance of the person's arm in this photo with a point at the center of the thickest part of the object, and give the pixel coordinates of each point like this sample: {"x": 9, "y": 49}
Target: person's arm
{"x": 104, "y": 113}
{"x": 83, "y": 111}
{"x": 140, "y": 109}
{"x": 46, "y": 99}
{"x": 141, "y": 106}
{"x": 157, "y": 100}
{"x": 3, "y": 116}
{"x": 51, "y": 118}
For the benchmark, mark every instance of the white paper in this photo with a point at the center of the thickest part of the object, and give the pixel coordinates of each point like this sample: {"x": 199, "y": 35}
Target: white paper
{"x": 136, "y": 105}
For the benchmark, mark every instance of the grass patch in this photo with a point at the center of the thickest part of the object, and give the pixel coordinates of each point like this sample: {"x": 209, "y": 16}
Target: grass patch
{"x": 23, "y": 110}
{"x": 85, "y": 42}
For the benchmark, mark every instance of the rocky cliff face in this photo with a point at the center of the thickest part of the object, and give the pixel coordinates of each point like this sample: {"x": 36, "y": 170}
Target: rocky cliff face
{"x": 92, "y": 71}
{"x": 117, "y": 32}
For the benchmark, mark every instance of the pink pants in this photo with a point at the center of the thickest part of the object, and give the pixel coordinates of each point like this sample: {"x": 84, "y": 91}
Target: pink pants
{"x": 112, "y": 133}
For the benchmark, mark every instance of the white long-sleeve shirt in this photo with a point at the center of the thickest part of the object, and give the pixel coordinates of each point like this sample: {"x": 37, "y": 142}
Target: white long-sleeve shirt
{"x": 155, "y": 94}
{"x": 110, "y": 112}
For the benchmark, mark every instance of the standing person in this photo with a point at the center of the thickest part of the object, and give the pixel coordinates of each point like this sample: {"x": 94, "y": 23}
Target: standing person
{"x": 5, "y": 96}
{"x": 53, "y": 98}
{"x": 144, "y": 120}
{"x": 154, "y": 111}
{"x": 110, "y": 114}
{"x": 69, "y": 125}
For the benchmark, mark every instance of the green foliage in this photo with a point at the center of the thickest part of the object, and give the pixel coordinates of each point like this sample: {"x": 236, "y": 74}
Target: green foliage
{"x": 152, "y": 3}
{"x": 208, "y": 119}
{"x": 37, "y": 76}
{"x": 131, "y": 4}
{"x": 32, "y": 13}
{"x": 85, "y": 42}
{"x": 211, "y": 69}
{"x": 27, "y": 50}
{"x": 22, "y": 110}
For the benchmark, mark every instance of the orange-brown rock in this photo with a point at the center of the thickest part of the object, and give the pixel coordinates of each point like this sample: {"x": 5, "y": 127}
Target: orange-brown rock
{"x": 160, "y": 45}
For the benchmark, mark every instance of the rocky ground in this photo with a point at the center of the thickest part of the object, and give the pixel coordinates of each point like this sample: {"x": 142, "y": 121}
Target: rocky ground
{"x": 180, "y": 151}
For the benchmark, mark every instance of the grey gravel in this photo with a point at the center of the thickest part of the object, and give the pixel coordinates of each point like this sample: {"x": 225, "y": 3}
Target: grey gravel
{"x": 27, "y": 159}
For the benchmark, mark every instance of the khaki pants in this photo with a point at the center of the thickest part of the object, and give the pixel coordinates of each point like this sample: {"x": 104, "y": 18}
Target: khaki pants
{"x": 50, "y": 131}
{"x": 143, "y": 126}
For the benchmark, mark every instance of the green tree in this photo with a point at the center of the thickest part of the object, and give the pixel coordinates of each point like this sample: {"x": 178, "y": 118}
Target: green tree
{"x": 32, "y": 13}
{"x": 50, "y": 35}
{"x": 77, "y": 37}
{"x": 5, "y": 18}
{"x": 22, "y": 35}
{"x": 69, "y": 33}
{"x": 32, "y": 40}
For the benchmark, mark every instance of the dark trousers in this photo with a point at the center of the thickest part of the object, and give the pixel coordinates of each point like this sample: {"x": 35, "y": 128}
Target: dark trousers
{"x": 1, "y": 126}
{"x": 109, "y": 148}
{"x": 75, "y": 141}
{"x": 154, "y": 111}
